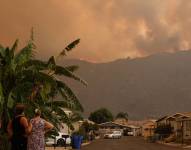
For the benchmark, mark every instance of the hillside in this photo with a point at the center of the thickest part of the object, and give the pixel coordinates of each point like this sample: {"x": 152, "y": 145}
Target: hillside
{"x": 143, "y": 87}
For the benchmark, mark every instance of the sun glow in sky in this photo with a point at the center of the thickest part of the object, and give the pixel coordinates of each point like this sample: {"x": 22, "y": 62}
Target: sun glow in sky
{"x": 108, "y": 29}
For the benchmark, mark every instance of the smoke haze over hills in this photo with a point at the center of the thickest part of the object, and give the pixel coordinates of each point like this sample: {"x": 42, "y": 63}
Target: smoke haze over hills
{"x": 144, "y": 87}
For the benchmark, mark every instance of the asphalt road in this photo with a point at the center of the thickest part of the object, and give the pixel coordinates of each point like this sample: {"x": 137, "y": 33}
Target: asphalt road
{"x": 126, "y": 143}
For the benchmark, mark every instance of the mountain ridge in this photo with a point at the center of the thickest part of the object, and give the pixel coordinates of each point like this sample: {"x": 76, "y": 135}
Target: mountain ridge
{"x": 146, "y": 87}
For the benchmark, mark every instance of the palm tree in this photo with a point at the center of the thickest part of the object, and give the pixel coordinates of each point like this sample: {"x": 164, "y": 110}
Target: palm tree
{"x": 122, "y": 115}
{"x": 24, "y": 79}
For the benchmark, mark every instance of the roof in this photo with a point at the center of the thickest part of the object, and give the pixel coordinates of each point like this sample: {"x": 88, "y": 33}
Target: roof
{"x": 179, "y": 115}
{"x": 114, "y": 123}
{"x": 184, "y": 119}
{"x": 149, "y": 121}
{"x": 164, "y": 117}
{"x": 134, "y": 127}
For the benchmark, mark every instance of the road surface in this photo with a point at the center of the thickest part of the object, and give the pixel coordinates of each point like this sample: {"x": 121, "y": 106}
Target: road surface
{"x": 126, "y": 143}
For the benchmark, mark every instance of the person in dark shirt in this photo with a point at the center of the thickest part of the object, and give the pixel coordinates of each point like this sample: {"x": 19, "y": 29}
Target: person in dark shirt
{"x": 18, "y": 129}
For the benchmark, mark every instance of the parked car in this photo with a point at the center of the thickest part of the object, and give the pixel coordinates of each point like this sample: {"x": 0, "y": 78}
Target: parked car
{"x": 61, "y": 140}
{"x": 130, "y": 133}
{"x": 113, "y": 135}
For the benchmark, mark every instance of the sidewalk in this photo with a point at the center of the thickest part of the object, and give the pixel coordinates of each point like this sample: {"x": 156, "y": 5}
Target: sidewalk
{"x": 176, "y": 145}
{"x": 63, "y": 148}
{"x": 58, "y": 148}
{"x": 187, "y": 147}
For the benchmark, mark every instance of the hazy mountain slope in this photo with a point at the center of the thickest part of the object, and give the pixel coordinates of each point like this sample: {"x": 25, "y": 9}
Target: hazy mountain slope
{"x": 143, "y": 87}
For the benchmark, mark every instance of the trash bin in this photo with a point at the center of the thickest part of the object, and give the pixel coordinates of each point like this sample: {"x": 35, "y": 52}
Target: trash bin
{"x": 77, "y": 141}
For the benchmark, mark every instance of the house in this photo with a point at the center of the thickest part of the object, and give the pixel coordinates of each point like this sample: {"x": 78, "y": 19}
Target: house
{"x": 136, "y": 130}
{"x": 122, "y": 121}
{"x": 172, "y": 120}
{"x": 184, "y": 129}
{"x": 111, "y": 126}
{"x": 161, "y": 121}
{"x": 148, "y": 128}
{"x": 180, "y": 123}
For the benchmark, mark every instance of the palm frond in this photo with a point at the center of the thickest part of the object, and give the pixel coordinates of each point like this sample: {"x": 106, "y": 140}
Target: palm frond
{"x": 59, "y": 70}
{"x": 76, "y": 117}
{"x": 72, "y": 68}
{"x": 15, "y": 45}
{"x": 51, "y": 61}
{"x": 37, "y": 64}
{"x": 69, "y": 47}
{"x": 63, "y": 104}
{"x": 2, "y": 52}
{"x": 71, "y": 96}
{"x": 25, "y": 53}
{"x": 61, "y": 113}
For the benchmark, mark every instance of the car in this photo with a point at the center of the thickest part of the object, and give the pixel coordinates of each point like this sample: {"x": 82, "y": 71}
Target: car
{"x": 113, "y": 135}
{"x": 130, "y": 133}
{"x": 62, "y": 139}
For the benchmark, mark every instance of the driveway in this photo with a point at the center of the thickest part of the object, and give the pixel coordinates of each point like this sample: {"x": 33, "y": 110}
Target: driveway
{"x": 126, "y": 143}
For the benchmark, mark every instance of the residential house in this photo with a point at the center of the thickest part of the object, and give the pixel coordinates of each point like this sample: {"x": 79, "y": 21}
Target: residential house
{"x": 136, "y": 130}
{"x": 184, "y": 129}
{"x": 122, "y": 121}
{"x": 148, "y": 128}
{"x": 111, "y": 126}
{"x": 180, "y": 123}
{"x": 161, "y": 121}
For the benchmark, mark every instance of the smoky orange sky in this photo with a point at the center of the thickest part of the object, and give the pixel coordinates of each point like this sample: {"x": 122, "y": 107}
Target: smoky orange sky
{"x": 108, "y": 29}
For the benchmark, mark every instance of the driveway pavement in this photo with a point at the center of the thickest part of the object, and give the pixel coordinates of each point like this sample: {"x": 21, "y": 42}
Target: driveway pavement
{"x": 126, "y": 143}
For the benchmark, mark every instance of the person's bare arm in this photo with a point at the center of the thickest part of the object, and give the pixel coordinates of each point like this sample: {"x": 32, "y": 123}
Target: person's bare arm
{"x": 48, "y": 126}
{"x": 27, "y": 126}
{"x": 10, "y": 129}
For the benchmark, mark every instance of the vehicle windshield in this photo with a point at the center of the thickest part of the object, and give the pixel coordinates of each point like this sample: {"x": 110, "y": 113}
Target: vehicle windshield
{"x": 116, "y": 132}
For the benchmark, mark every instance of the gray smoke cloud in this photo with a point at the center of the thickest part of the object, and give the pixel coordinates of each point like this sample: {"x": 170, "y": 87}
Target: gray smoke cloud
{"x": 109, "y": 29}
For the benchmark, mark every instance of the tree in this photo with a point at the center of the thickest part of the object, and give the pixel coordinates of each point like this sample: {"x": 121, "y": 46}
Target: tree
{"x": 122, "y": 115}
{"x": 35, "y": 83}
{"x": 101, "y": 115}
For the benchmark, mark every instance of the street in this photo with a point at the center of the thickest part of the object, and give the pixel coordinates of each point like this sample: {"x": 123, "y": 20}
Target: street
{"x": 126, "y": 143}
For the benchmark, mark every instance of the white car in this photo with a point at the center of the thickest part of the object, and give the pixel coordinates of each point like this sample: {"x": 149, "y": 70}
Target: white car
{"x": 113, "y": 135}
{"x": 130, "y": 133}
{"x": 59, "y": 140}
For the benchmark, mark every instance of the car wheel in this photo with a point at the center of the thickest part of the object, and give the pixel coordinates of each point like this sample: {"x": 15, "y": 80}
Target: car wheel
{"x": 60, "y": 142}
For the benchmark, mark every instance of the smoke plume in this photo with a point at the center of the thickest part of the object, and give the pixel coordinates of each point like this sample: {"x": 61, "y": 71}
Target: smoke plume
{"x": 109, "y": 29}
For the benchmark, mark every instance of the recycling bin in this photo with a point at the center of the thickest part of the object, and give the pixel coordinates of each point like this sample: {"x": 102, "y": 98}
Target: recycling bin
{"x": 77, "y": 141}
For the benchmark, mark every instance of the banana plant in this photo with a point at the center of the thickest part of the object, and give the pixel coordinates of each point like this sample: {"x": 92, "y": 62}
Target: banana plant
{"x": 36, "y": 83}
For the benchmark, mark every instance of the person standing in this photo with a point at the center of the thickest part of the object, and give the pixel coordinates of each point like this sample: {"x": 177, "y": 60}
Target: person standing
{"x": 36, "y": 140}
{"x": 18, "y": 129}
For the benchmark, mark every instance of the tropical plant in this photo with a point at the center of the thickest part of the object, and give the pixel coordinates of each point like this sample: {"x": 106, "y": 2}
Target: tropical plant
{"x": 73, "y": 118}
{"x": 122, "y": 115}
{"x": 101, "y": 115}
{"x": 85, "y": 129}
{"x": 36, "y": 83}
